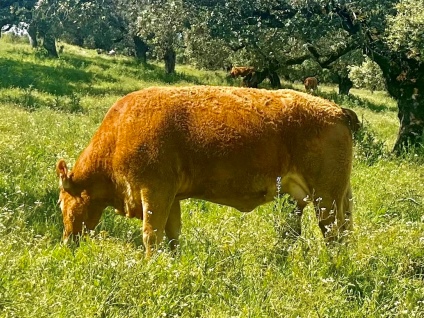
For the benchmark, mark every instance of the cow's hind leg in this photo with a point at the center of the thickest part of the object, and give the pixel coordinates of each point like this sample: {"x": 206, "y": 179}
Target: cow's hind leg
{"x": 295, "y": 185}
{"x": 156, "y": 208}
{"x": 333, "y": 211}
{"x": 173, "y": 225}
{"x": 330, "y": 182}
{"x": 348, "y": 209}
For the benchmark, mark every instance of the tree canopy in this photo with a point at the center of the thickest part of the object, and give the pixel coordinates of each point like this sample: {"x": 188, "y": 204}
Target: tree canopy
{"x": 13, "y": 12}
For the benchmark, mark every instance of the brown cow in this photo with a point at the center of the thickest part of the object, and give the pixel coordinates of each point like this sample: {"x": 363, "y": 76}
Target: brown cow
{"x": 233, "y": 146}
{"x": 241, "y": 71}
{"x": 311, "y": 84}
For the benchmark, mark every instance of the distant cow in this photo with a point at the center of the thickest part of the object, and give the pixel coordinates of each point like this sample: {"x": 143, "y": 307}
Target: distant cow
{"x": 311, "y": 84}
{"x": 241, "y": 71}
{"x": 234, "y": 146}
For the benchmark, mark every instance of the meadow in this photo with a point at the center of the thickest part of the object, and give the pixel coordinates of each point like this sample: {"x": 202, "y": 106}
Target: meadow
{"x": 230, "y": 264}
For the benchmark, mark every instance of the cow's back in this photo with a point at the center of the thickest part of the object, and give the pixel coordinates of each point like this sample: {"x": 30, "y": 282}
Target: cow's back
{"x": 206, "y": 113}
{"x": 214, "y": 121}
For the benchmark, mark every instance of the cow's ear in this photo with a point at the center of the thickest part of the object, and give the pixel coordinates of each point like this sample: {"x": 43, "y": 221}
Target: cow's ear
{"x": 65, "y": 181}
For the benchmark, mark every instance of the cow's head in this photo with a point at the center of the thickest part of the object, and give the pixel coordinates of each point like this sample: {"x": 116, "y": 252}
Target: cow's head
{"x": 233, "y": 72}
{"x": 78, "y": 210}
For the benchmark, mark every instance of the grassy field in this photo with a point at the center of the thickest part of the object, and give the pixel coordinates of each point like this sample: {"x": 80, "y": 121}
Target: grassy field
{"x": 231, "y": 264}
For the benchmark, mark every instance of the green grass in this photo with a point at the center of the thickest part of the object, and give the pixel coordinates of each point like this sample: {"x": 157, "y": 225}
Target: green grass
{"x": 231, "y": 264}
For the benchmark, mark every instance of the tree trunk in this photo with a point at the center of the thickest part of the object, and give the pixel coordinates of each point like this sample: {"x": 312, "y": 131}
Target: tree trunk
{"x": 170, "y": 58}
{"x": 78, "y": 40}
{"x": 49, "y": 43}
{"x": 404, "y": 78}
{"x": 141, "y": 49}
{"x": 405, "y": 83}
{"x": 32, "y": 34}
{"x": 257, "y": 77}
{"x": 274, "y": 79}
{"x": 345, "y": 84}
{"x": 253, "y": 79}
{"x": 411, "y": 118}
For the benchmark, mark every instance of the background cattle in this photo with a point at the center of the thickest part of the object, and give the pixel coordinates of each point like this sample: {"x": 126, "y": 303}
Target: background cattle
{"x": 234, "y": 146}
{"x": 311, "y": 84}
{"x": 241, "y": 71}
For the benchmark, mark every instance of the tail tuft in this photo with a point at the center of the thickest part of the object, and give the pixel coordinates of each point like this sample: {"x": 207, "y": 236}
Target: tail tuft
{"x": 352, "y": 119}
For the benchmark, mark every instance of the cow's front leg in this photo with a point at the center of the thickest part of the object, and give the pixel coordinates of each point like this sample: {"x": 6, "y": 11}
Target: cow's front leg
{"x": 173, "y": 225}
{"x": 156, "y": 208}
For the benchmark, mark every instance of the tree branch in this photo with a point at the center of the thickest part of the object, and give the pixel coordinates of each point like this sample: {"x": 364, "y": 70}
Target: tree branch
{"x": 325, "y": 61}
{"x": 297, "y": 60}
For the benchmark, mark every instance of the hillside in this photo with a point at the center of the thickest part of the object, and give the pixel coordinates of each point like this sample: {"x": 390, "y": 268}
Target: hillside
{"x": 231, "y": 264}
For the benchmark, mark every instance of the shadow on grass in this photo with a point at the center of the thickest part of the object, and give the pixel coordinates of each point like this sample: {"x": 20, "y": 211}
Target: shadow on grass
{"x": 53, "y": 80}
{"x": 355, "y": 101}
{"x": 72, "y": 76}
{"x": 156, "y": 74}
{"x": 25, "y": 100}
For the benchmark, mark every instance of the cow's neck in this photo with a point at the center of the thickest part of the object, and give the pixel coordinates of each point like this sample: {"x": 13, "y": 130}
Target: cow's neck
{"x": 95, "y": 177}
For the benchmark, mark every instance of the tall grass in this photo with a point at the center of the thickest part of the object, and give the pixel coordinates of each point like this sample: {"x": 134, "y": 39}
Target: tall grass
{"x": 230, "y": 264}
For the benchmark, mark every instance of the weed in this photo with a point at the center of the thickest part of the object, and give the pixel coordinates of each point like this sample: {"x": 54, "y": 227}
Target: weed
{"x": 368, "y": 148}
{"x": 28, "y": 100}
{"x": 41, "y": 53}
{"x": 74, "y": 104}
{"x": 57, "y": 102}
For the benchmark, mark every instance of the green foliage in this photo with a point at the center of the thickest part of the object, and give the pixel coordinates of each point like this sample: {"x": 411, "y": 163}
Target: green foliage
{"x": 12, "y": 12}
{"x": 369, "y": 149}
{"x": 230, "y": 264}
{"x": 367, "y": 75}
{"x": 405, "y": 29}
{"x": 87, "y": 23}
{"x": 204, "y": 51}
{"x": 162, "y": 22}
{"x": 250, "y": 31}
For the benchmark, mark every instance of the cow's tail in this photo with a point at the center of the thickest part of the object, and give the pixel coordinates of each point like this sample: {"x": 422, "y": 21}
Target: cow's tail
{"x": 352, "y": 119}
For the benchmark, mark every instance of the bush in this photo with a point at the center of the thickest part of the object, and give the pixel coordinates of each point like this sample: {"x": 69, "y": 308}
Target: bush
{"x": 369, "y": 149}
{"x": 368, "y": 75}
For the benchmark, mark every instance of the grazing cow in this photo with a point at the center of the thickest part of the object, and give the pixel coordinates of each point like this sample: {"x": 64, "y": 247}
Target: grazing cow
{"x": 311, "y": 84}
{"x": 234, "y": 146}
{"x": 241, "y": 71}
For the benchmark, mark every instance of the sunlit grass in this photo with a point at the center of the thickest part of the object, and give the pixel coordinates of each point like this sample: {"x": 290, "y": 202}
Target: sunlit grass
{"x": 230, "y": 264}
